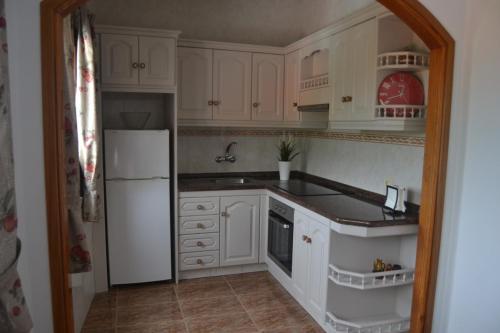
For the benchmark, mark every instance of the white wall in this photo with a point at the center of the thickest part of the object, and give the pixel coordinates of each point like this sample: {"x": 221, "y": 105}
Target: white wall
{"x": 23, "y": 27}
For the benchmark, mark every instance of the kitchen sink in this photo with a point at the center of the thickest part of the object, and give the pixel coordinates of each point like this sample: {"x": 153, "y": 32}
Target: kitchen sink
{"x": 230, "y": 181}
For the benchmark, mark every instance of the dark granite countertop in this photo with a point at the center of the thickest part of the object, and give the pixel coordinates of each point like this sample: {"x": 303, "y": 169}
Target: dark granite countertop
{"x": 353, "y": 206}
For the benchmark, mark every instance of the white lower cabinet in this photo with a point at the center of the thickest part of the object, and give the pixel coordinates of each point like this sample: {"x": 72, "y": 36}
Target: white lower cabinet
{"x": 239, "y": 230}
{"x": 310, "y": 264}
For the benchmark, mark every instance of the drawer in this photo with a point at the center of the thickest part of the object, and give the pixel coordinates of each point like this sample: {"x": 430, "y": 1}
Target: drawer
{"x": 198, "y": 224}
{"x": 198, "y": 206}
{"x": 198, "y": 243}
{"x": 199, "y": 260}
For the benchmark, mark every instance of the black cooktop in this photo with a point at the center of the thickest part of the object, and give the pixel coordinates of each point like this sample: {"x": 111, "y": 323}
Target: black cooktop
{"x": 303, "y": 189}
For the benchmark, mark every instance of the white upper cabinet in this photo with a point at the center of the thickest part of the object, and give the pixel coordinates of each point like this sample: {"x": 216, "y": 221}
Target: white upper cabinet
{"x": 119, "y": 59}
{"x": 239, "y": 230}
{"x": 157, "y": 61}
{"x": 267, "y": 87}
{"x": 353, "y": 73}
{"x": 195, "y": 83}
{"x": 137, "y": 60}
{"x": 292, "y": 79}
{"x": 232, "y": 79}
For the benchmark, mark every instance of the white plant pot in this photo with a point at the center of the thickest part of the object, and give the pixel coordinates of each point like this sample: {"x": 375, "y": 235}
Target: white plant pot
{"x": 284, "y": 168}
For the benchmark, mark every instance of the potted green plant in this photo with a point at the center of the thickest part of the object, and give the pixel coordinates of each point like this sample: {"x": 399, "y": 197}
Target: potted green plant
{"x": 287, "y": 149}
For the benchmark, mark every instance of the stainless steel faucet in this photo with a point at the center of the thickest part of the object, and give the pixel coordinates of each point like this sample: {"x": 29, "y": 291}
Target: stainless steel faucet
{"x": 227, "y": 157}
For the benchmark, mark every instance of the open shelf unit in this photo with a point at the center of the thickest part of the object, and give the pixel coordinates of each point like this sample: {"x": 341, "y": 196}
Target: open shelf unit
{"x": 403, "y": 52}
{"x": 389, "y": 323}
{"x": 365, "y": 281}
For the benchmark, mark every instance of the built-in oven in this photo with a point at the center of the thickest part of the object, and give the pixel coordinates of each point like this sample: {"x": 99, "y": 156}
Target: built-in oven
{"x": 280, "y": 235}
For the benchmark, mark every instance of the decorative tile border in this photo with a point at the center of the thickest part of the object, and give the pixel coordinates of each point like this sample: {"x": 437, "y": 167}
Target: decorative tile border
{"x": 417, "y": 141}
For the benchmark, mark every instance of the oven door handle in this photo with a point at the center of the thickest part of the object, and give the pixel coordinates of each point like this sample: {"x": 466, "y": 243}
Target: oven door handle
{"x": 282, "y": 222}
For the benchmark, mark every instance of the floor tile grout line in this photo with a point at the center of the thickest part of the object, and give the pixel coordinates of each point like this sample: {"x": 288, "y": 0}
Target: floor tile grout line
{"x": 243, "y": 306}
{"x": 184, "y": 320}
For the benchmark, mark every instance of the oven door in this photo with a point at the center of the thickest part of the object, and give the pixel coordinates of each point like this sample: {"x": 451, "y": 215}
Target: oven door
{"x": 280, "y": 242}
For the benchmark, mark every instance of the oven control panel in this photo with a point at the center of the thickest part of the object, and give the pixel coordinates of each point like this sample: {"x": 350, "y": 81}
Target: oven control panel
{"x": 281, "y": 209}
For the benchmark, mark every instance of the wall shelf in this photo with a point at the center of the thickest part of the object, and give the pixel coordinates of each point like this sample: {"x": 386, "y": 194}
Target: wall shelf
{"x": 403, "y": 61}
{"x": 391, "y": 323}
{"x": 366, "y": 281}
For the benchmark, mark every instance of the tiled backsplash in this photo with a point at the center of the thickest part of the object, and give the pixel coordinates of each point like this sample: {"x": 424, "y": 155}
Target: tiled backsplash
{"x": 366, "y": 163}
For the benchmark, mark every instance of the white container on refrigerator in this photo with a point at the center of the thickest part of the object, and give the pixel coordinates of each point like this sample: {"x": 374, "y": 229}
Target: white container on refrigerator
{"x": 138, "y": 206}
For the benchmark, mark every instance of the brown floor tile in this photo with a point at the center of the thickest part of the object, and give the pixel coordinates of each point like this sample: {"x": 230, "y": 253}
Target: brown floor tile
{"x": 230, "y": 323}
{"x": 196, "y": 290}
{"x": 290, "y": 316}
{"x": 145, "y": 296}
{"x": 147, "y": 314}
{"x": 107, "y": 299}
{"x": 98, "y": 330}
{"x": 305, "y": 329}
{"x": 100, "y": 318}
{"x": 274, "y": 299}
{"x": 177, "y": 326}
{"x": 211, "y": 279}
{"x": 210, "y": 306}
{"x": 250, "y": 276}
{"x": 242, "y": 287}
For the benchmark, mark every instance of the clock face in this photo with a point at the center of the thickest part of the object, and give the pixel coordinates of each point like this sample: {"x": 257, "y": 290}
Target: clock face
{"x": 401, "y": 88}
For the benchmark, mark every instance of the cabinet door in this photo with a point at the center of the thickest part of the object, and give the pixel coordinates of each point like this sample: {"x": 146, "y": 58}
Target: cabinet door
{"x": 292, "y": 82}
{"x": 157, "y": 61}
{"x": 267, "y": 86}
{"x": 232, "y": 79}
{"x": 318, "y": 268}
{"x": 353, "y": 72}
{"x": 239, "y": 230}
{"x": 119, "y": 59}
{"x": 195, "y": 83}
{"x": 300, "y": 259}
{"x": 341, "y": 73}
{"x": 364, "y": 55}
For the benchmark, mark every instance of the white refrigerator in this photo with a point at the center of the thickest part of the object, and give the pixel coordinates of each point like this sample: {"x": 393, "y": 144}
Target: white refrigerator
{"x": 138, "y": 205}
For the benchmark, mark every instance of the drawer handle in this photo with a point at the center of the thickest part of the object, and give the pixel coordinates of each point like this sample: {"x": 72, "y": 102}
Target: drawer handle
{"x": 200, "y": 244}
{"x": 200, "y": 207}
{"x": 200, "y": 226}
{"x": 224, "y": 214}
{"x": 199, "y": 262}
{"x": 309, "y": 240}
{"x": 304, "y": 238}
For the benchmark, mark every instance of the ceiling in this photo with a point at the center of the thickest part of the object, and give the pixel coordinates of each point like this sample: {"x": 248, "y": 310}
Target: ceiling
{"x": 264, "y": 22}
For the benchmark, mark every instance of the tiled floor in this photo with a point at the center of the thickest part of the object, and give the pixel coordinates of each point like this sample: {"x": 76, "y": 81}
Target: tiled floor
{"x": 253, "y": 302}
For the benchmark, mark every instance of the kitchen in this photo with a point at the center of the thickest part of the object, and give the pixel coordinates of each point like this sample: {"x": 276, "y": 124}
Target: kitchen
{"x": 222, "y": 108}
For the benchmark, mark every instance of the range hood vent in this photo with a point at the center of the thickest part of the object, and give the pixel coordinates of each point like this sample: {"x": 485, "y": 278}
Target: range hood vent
{"x": 314, "y": 108}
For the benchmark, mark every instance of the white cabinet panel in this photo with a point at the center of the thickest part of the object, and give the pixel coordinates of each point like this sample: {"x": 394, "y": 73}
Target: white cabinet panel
{"x": 157, "y": 61}
{"x": 119, "y": 59}
{"x": 292, "y": 82}
{"x": 353, "y": 73}
{"x": 232, "y": 80}
{"x": 198, "y": 224}
{"x": 300, "y": 259}
{"x": 198, "y": 206}
{"x": 318, "y": 269}
{"x": 267, "y": 86}
{"x": 195, "y": 83}
{"x": 239, "y": 230}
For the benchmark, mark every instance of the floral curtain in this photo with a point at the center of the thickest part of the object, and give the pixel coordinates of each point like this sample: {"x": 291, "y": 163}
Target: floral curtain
{"x": 82, "y": 136}
{"x": 14, "y": 314}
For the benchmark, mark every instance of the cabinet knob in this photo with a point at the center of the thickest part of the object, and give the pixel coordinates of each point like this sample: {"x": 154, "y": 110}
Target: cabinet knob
{"x": 200, "y": 244}
{"x": 200, "y": 226}
{"x": 256, "y": 104}
{"x": 309, "y": 240}
{"x": 142, "y": 65}
{"x": 224, "y": 214}
{"x": 216, "y": 103}
{"x": 200, "y": 207}
{"x": 199, "y": 262}
{"x": 295, "y": 104}
{"x": 210, "y": 102}
{"x": 304, "y": 238}
{"x": 135, "y": 65}
{"x": 346, "y": 99}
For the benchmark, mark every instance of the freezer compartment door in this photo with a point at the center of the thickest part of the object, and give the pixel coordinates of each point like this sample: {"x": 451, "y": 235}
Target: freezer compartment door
{"x": 138, "y": 219}
{"x": 136, "y": 154}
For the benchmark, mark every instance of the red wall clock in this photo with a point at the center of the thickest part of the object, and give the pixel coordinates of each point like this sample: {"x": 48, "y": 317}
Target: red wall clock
{"x": 401, "y": 88}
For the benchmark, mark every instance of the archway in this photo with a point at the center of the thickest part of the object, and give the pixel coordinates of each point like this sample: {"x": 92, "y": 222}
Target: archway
{"x": 412, "y": 12}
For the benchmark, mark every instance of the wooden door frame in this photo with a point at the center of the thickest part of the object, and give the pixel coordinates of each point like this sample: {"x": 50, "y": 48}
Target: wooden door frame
{"x": 412, "y": 12}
